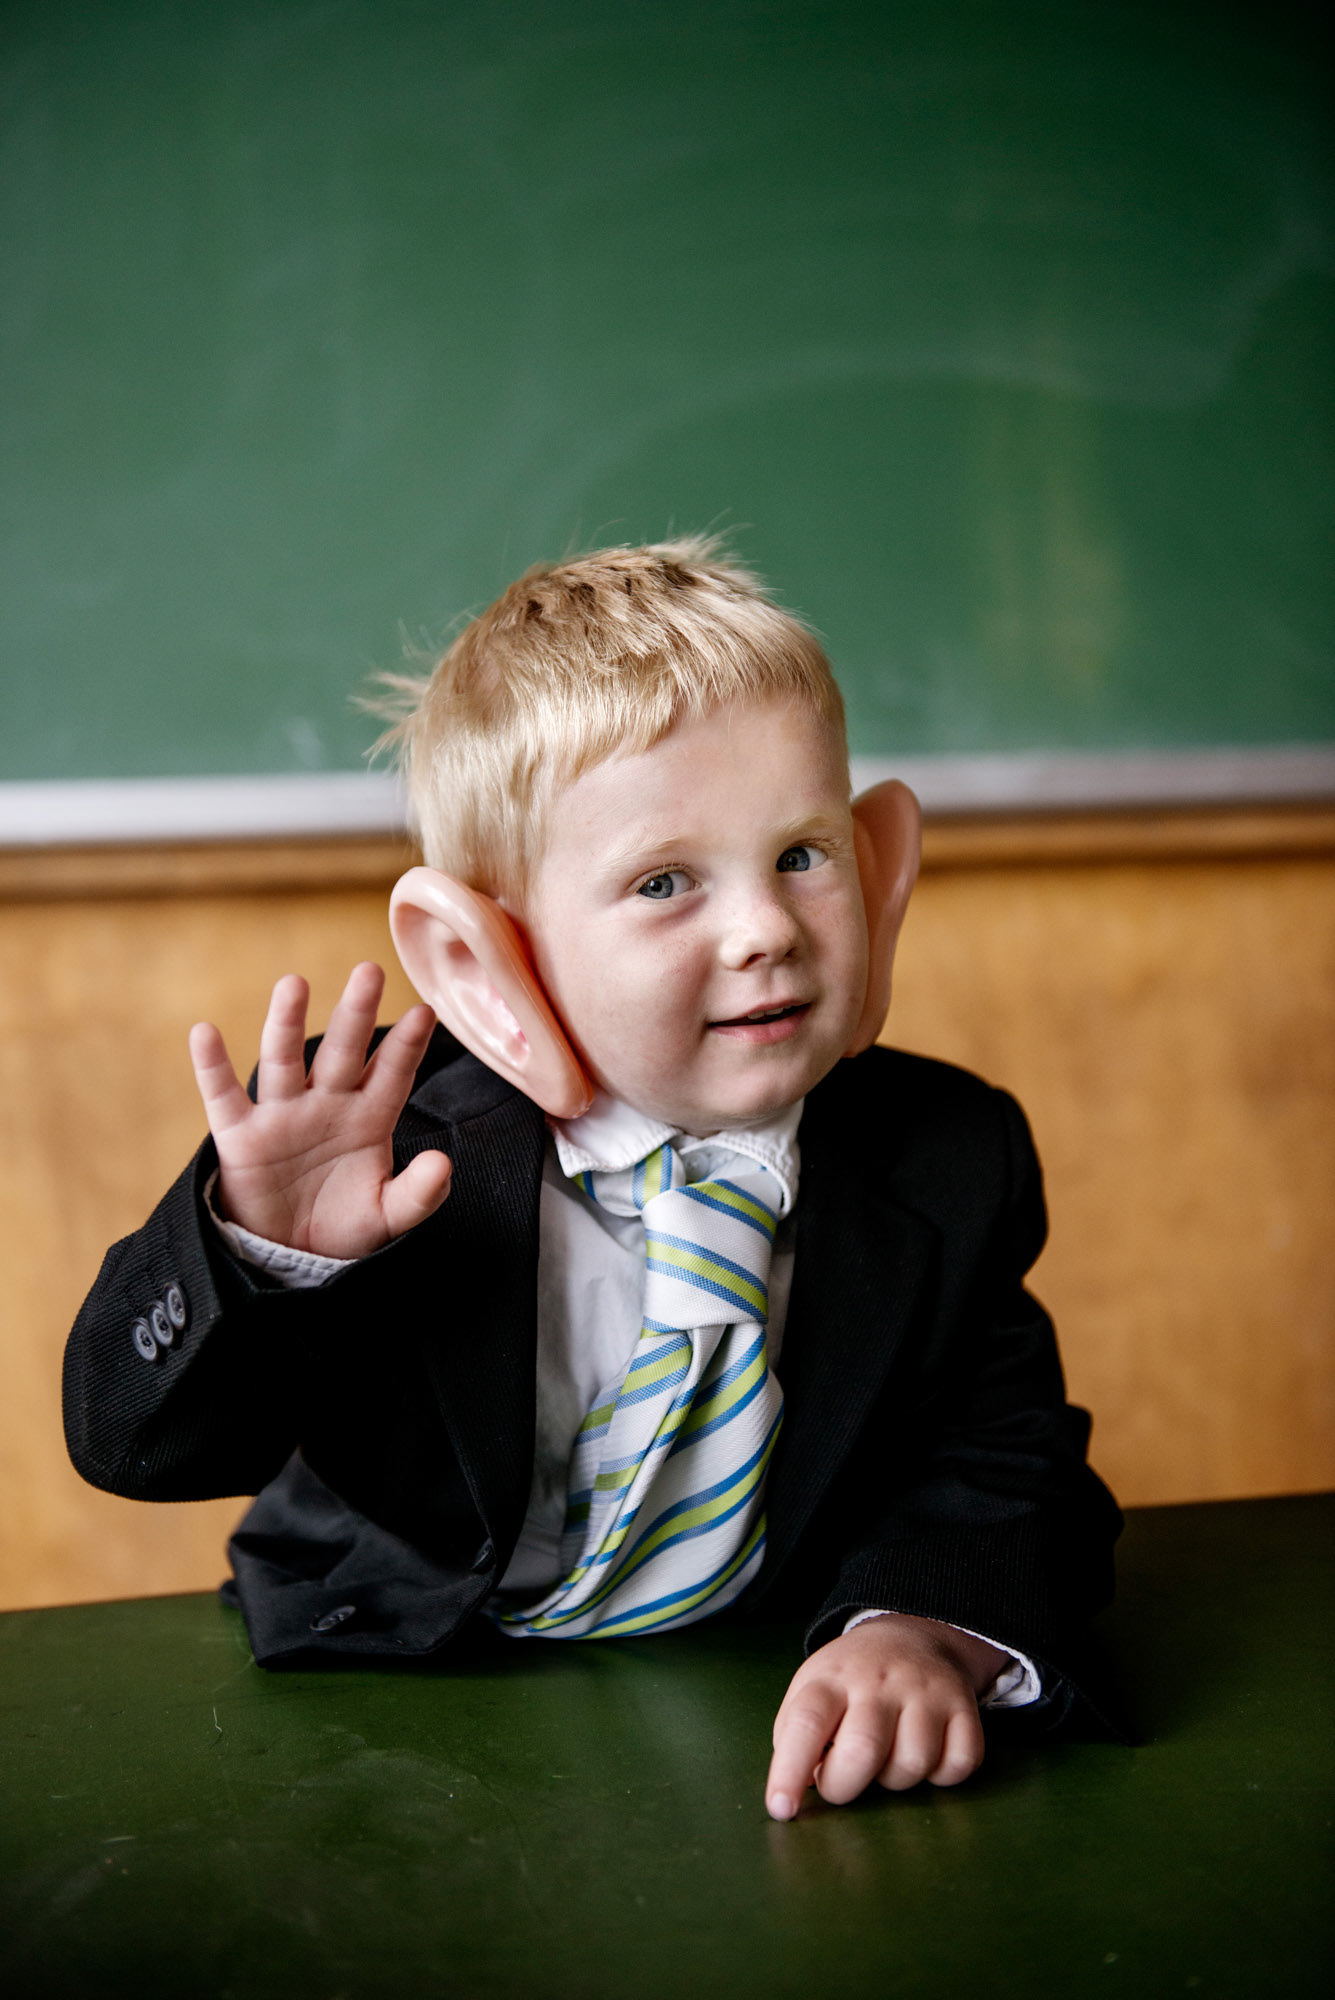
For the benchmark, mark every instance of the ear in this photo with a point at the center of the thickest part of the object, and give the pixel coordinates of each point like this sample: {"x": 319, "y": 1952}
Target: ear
{"x": 468, "y": 959}
{"x": 887, "y": 830}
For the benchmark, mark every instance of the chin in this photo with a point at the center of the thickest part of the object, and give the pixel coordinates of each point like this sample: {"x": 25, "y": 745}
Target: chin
{"x": 762, "y": 1098}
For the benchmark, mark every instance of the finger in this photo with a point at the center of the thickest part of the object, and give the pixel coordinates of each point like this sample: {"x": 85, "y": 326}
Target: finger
{"x": 917, "y": 1747}
{"x": 858, "y": 1751}
{"x": 962, "y": 1751}
{"x": 391, "y": 1070}
{"x": 282, "y": 1040}
{"x": 225, "y": 1102}
{"x": 802, "y": 1729}
{"x": 341, "y": 1056}
{"x": 415, "y": 1193}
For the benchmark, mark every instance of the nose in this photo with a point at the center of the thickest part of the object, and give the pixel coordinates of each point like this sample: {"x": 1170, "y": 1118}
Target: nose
{"x": 758, "y": 929}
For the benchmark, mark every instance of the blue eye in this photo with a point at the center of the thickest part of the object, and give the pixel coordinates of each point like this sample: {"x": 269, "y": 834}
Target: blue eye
{"x": 795, "y": 860}
{"x": 660, "y": 888}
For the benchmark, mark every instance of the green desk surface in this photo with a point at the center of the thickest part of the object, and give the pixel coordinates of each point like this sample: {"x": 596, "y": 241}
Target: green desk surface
{"x": 587, "y": 1819}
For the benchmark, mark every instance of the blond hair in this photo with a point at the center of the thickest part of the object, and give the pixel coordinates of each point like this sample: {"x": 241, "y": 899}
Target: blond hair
{"x": 576, "y": 661}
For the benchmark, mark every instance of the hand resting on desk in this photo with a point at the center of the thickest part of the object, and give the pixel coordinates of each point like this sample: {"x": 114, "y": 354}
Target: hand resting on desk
{"x": 895, "y": 1700}
{"x": 310, "y": 1163}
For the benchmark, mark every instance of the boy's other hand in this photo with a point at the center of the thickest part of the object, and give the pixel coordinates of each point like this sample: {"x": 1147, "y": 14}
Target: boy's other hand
{"x": 310, "y": 1164}
{"x": 895, "y": 1700}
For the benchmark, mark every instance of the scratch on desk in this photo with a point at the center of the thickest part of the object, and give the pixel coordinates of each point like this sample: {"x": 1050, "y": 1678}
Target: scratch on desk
{"x": 75, "y": 1889}
{"x": 525, "y": 1881}
{"x": 227, "y": 1681}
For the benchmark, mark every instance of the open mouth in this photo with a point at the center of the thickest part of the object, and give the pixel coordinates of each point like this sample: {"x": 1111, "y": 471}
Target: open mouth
{"x": 763, "y": 1017}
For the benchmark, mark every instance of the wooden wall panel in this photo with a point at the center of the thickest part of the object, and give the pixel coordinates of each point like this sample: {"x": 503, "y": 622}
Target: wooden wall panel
{"x": 1170, "y": 1030}
{"x": 98, "y": 1113}
{"x": 1168, "y": 1024}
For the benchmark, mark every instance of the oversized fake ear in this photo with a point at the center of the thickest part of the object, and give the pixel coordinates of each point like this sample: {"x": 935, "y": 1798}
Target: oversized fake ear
{"x": 887, "y": 831}
{"x": 469, "y": 961}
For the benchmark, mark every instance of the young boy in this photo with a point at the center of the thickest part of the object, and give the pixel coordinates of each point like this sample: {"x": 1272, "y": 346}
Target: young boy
{"x": 749, "y": 1330}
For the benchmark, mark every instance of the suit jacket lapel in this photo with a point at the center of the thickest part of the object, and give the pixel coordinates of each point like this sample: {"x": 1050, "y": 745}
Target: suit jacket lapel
{"x": 860, "y": 1265}
{"x": 479, "y": 1259}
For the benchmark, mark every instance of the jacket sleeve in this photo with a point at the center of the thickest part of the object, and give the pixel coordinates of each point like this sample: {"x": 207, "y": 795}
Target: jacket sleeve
{"x": 998, "y": 1524}
{"x": 181, "y": 1368}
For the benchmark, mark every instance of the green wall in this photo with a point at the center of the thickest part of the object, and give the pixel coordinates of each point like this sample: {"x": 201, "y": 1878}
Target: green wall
{"x": 997, "y": 335}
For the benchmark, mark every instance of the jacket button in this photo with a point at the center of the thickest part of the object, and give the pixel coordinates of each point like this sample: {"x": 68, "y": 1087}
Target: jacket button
{"x": 141, "y": 1333}
{"x": 163, "y": 1331}
{"x": 338, "y": 1616}
{"x": 178, "y": 1306}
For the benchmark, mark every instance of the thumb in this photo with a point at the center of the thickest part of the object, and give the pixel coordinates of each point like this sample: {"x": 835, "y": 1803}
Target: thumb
{"x": 416, "y": 1193}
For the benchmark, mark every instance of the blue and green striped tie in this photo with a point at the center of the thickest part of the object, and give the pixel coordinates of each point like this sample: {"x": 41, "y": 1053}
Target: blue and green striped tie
{"x": 665, "y": 1515}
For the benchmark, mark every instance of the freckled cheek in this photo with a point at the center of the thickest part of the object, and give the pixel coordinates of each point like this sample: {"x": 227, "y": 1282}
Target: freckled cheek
{"x": 628, "y": 1001}
{"x": 845, "y": 937}
{"x": 607, "y": 997}
{"x": 651, "y": 1003}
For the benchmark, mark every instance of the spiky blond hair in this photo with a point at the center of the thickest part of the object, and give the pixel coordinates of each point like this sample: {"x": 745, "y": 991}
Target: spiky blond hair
{"x": 576, "y": 661}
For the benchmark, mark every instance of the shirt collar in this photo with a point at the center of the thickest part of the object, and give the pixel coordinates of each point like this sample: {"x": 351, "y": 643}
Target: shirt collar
{"x": 612, "y": 1135}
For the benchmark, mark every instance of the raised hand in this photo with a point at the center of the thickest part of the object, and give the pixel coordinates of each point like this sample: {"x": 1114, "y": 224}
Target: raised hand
{"x": 310, "y": 1164}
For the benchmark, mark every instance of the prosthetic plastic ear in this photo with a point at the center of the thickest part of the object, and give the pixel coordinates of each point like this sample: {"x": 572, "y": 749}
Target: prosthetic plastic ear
{"x": 887, "y": 830}
{"x": 468, "y": 959}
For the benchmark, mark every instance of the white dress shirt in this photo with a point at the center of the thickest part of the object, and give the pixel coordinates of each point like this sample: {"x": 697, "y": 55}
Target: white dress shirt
{"x": 590, "y": 1285}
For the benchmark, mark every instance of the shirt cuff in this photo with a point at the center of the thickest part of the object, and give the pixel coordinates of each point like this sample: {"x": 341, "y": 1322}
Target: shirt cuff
{"x": 296, "y": 1270}
{"x": 1016, "y": 1686}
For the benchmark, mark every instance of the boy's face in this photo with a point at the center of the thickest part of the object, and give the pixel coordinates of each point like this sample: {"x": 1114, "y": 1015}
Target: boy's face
{"x": 687, "y": 889}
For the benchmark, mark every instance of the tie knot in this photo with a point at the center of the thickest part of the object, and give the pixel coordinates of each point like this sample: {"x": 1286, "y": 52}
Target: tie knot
{"x": 630, "y": 1190}
{"x": 625, "y": 1190}
{"x": 660, "y": 1172}
{"x": 707, "y": 1242}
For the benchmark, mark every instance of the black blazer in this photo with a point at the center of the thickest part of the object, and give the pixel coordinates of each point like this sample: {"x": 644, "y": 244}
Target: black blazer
{"x": 928, "y": 1460}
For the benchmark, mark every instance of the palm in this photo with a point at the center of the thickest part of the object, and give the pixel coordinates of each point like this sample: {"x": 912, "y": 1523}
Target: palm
{"x": 310, "y": 1162}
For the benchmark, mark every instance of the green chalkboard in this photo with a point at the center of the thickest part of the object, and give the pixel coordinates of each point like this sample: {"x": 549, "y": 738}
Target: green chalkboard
{"x": 997, "y": 334}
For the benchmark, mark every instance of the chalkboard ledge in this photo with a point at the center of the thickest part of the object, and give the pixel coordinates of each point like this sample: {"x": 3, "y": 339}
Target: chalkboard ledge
{"x": 321, "y": 804}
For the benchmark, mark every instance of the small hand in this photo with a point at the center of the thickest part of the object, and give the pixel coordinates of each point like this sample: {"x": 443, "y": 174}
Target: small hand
{"x": 310, "y": 1164}
{"x": 895, "y": 1700}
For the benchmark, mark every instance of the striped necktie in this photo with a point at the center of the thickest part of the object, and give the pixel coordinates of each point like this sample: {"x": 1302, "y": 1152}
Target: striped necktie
{"x": 665, "y": 1513}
